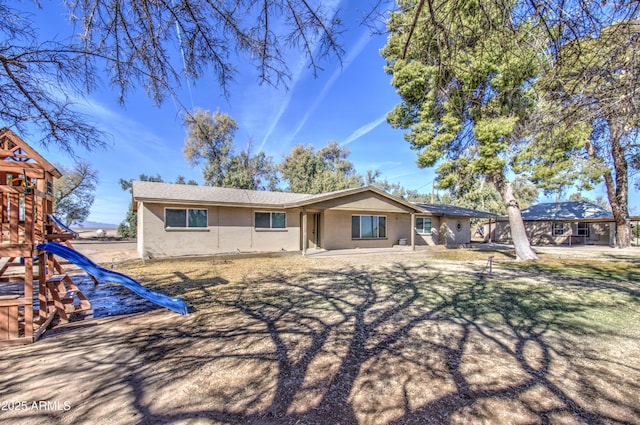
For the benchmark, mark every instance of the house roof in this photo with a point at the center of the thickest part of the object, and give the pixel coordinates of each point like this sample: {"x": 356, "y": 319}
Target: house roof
{"x": 454, "y": 211}
{"x": 191, "y": 194}
{"x": 17, "y": 154}
{"x": 202, "y": 195}
{"x": 566, "y": 211}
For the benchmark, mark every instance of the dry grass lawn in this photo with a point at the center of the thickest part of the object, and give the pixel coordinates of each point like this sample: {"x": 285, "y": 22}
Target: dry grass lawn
{"x": 362, "y": 339}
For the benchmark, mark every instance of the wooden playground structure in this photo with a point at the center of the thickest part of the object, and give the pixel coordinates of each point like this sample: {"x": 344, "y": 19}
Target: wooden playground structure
{"x": 34, "y": 287}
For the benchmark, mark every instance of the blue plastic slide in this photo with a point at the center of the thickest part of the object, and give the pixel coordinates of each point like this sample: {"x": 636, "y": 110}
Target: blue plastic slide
{"x": 69, "y": 254}
{"x": 61, "y": 225}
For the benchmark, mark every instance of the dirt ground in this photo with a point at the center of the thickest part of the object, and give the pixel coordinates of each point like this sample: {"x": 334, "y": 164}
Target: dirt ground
{"x": 105, "y": 250}
{"x": 394, "y": 337}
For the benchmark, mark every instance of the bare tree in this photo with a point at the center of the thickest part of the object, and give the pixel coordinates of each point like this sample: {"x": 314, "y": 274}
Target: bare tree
{"x": 152, "y": 44}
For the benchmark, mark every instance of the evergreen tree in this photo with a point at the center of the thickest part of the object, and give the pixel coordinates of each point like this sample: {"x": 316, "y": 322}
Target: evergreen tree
{"x": 595, "y": 84}
{"x": 128, "y": 227}
{"x": 464, "y": 72}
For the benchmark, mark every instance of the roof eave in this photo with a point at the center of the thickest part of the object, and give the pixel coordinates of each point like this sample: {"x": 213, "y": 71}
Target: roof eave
{"x": 343, "y": 193}
{"x": 208, "y": 203}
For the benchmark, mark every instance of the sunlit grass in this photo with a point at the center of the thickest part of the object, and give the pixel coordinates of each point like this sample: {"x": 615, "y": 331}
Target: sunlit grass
{"x": 567, "y": 295}
{"x": 431, "y": 331}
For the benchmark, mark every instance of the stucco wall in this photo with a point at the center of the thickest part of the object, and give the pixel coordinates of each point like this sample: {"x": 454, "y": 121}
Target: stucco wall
{"x": 140, "y": 228}
{"x": 229, "y": 230}
{"x": 365, "y": 202}
{"x": 455, "y": 231}
{"x": 445, "y": 231}
{"x": 432, "y": 239}
{"x": 336, "y": 231}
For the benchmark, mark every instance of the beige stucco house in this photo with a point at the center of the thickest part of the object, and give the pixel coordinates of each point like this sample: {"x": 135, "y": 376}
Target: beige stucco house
{"x": 177, "y": 220}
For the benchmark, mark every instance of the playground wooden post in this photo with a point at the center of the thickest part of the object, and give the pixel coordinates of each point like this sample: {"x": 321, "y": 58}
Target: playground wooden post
{"x": 26, "y": 192}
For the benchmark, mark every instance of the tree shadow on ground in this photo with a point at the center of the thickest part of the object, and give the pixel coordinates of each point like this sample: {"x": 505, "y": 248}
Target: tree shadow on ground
{"x": 397, "y": 344}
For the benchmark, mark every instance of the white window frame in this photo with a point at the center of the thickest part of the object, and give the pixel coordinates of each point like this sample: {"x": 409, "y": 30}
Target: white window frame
{"x": 563, "y": 229}
{"x": 377, "y": 217}
{"x": 421, "y": 230}
{"x": 271, "y": 213}
{"x": 582, "y": 229}
{"x": 186, "y": 226}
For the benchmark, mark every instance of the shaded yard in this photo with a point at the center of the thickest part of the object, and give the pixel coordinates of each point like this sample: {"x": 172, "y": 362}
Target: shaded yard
{"x": 355, "y": 340}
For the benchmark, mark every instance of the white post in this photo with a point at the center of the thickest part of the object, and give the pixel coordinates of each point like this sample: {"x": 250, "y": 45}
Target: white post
{"x": 305, "y": 239}
{"x": 413, "y": 231}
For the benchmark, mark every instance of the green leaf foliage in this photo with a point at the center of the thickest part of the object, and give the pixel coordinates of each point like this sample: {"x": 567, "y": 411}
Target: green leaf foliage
{"x": 74, "y": 192}
{"x": 306, "y": 170}
{"x": 210, "y": 142}
{"x": 464, "y": 75}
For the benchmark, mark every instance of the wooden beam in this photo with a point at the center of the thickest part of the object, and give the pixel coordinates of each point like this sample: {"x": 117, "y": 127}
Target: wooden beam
{"x": 18, "y": 300}
{"x": 44, "y": 324}
{"x": 28, "y": 168}
{"x": 4, "y": 153}
{"x": 413, "y": 231}
{"x": 42, "y": 163}
{"x": 14, "y": 218}
{"x": 28, "y": 294}
{"x": 17, "y": 341}
{"x": 15, "y": 250}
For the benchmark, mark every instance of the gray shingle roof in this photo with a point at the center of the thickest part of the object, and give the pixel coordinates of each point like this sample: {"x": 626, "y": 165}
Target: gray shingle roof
{"x": 453, "y": 211}
{"x": 190, "y": 194}
{"x": 206, "y": 195}
{"x": 565, "y": 211}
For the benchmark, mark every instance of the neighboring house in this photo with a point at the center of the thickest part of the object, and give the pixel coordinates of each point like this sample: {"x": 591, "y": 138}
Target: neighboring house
{"x": 175, "y": 220}
{"x": 562, "y": 223}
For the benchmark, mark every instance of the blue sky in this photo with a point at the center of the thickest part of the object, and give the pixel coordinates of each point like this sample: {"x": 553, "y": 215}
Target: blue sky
{"x": 346, "y": 102}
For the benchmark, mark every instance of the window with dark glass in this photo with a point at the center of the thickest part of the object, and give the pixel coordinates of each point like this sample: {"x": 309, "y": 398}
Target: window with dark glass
{"x": 185, "y": 217}
{"x": 271, "y": 220}
{"x": 368, "y": 227}
{"x": 559, "y": 229}
{"x": 423, "y": 225}
{"x": 583, "y": 229}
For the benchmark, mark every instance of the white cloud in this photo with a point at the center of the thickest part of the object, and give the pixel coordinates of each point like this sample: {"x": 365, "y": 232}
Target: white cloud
{"x": 300, "y": 66}
{"x": 353, "y": 54}
{"x": 358, "y": 133}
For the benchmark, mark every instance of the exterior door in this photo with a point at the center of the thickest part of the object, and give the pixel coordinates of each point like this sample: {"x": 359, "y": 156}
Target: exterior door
{"x": 314, "y": 230}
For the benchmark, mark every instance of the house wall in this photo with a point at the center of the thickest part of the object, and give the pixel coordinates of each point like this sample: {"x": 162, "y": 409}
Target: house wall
{"x": 541, "y": 233}
{"x": 140, "y": 235}
{"x": 445, "y": 231}
{"x": 455, "y": 231}
{"x": 336, "y": 230}
{"x": 431, "y": 239}
{"x": 230, "y": 229}
{"x": 365, "y": 202}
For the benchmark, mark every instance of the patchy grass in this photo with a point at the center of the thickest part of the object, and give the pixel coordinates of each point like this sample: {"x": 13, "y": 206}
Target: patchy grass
{"x": 619, "y": 271}
{"x": 369, "y": 339}
{"x": 456, "y": 254}
{"x": 610, "y": 290}
{"x": 372, "y": 341}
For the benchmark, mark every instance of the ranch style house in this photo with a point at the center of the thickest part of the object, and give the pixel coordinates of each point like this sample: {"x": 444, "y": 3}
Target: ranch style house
{"x": 181, "y": 220}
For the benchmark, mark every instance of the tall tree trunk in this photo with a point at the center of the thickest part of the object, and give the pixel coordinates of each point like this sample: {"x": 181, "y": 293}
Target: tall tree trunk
{"x": 618, "y": 188}
{"x": 518, "y": 232}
